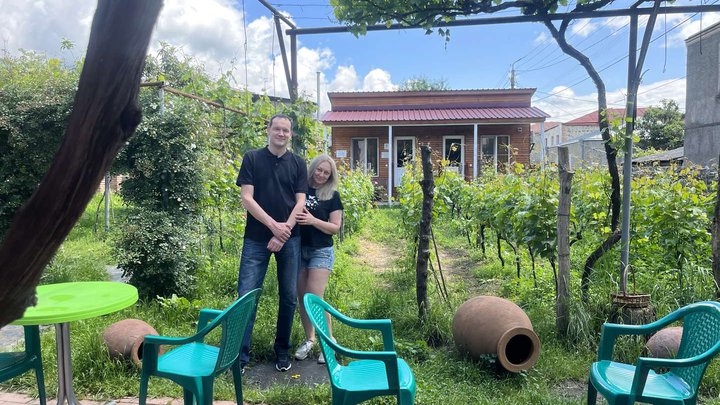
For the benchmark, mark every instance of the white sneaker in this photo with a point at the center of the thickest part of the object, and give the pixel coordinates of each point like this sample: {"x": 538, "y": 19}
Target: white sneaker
{"x": 304, "y": 350}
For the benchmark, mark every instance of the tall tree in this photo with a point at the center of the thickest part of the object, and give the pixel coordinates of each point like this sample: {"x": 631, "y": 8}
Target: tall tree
{"x": 428, "y": 15}
{"x": 662, "y": 127}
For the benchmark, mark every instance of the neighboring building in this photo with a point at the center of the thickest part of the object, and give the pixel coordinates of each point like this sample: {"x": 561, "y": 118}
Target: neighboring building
{"x": 588, "y": 123}
{"x": 583, "y": 139}
{"x": 664, "y": 158}
{"x": 584, "y": 150}
{"x": 553, "y": 130}
{"x": 702, "y": 100}
{"x": 380, "y": 131}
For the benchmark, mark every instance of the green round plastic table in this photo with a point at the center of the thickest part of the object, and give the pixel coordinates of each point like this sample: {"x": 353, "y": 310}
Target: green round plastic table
{"x": 62, "y": 303}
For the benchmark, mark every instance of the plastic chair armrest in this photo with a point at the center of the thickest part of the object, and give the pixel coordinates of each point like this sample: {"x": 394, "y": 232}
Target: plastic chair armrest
{"x": 155, "y": 340}
{"x": 356, "y": 354}
{"x": 206, "y": 316}
{"x": 610, "y": 332}
{"x": 648, "y": 362}
{"x": 382, "y": 325}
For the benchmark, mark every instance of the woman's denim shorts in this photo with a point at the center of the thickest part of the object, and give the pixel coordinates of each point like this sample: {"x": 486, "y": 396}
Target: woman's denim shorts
{"x": 317, "y": 258}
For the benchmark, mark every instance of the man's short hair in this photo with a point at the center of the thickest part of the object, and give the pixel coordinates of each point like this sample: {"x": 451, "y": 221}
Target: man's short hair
{"x": 281, "y": 116}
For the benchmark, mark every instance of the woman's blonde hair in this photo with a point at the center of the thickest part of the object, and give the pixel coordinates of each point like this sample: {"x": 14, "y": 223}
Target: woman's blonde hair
{"x": 324, "y": 192}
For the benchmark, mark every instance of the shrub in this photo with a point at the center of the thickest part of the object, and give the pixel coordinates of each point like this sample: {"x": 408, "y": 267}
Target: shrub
{"x": 152, "y": 249}
{"x": 35, "y": 102}
{"x": 357, "y": 193}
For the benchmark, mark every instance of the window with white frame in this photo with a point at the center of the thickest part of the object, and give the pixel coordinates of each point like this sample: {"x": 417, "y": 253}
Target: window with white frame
{"x": 364, "y": 155}
{"x": 494, "y": 152}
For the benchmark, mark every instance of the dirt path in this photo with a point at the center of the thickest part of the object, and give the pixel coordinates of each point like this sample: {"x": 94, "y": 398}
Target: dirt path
{"x": 457, "y": 267}
{"x": 377, "y": 256}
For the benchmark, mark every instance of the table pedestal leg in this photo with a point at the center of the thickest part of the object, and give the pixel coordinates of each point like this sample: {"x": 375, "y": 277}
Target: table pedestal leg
{"x": 64, "y": 365}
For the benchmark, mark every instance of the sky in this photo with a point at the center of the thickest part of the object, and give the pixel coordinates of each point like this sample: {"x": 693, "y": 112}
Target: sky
{"x": 238, "y": 36}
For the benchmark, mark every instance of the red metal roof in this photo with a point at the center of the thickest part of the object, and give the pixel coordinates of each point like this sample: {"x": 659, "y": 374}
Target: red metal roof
{"x": 592, "y": 118}
{"x": 532, "y": 114}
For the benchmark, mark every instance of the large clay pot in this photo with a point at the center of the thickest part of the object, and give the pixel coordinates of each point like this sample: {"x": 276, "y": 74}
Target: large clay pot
{"x": 125, "y": 338}
{"x": 492, "y": 325}
{"x": 665, "y": 343}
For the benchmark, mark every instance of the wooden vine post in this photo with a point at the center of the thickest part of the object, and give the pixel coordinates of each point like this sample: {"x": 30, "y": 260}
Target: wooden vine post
{"x": 104, "y": 115}
{"x": 715, "y": 240}
{"x": 421, "y": 268}
{"x": 562, "y": 299}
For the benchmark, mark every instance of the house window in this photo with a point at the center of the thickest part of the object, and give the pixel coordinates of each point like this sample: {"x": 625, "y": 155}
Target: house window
{"x": 365, "y": 155}
{"x": 495, "y": 152}
{"x": 453, "y": 151}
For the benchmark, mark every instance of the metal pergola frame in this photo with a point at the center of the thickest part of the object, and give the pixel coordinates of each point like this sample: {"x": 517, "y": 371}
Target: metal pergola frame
{"x": 635, "y": 64}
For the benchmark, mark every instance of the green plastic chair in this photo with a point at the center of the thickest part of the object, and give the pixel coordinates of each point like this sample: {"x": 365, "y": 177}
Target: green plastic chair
{"x": 194, "y": 364}
{"x": 12, "y": 364}
{"x": 624, "y": 384}
{"x": 374, "y": 374}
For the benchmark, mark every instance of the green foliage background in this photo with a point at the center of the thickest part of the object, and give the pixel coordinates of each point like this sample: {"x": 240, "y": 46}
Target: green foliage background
{"x": 35, "y": 101}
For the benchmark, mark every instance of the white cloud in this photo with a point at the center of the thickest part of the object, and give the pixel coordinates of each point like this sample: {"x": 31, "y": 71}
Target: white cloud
{"x": 615, "y": 23}
{"x": 542, "y": 38}
{"x": 583, "y": 28}
{"x": 378, "y": 80}
{"x": 564, "y": 105}
{"x": 41, "y": 25}
{"x": 346, "y": 79}
{"x": 211, "y": 31}
{"x": 693, "y": 27}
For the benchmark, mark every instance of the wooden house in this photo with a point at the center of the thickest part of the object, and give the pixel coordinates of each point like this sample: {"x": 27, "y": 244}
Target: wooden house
{"x": 475, "y": 130}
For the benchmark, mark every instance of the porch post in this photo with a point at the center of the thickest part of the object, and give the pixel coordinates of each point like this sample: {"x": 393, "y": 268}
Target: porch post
{"x": 390, "y": 163}
{"x": 325, "y": 139}
{"x": 542, "y": 144}
{"x": 475, "y": 149}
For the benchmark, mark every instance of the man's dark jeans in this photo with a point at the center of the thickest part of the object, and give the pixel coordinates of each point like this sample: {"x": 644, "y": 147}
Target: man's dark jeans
{"x": 253, "y": 267}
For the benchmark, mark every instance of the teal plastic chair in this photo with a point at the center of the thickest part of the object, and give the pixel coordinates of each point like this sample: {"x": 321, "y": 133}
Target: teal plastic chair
{"x": 374, "y": 373}
{"x": 194, "y": 364}
{"x": 12, "y": 364}
{"x": 624, "y": 384}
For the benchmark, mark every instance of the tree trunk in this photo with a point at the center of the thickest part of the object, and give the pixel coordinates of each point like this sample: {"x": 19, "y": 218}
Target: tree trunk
{"x": 562, "y": 300}
{"x": 481, "y": 239}
{"x": 105, "y": 114}
{"x": 499, "y": 250}
{"x": 610, "y": 152}
{"x": 593, "y": 258}
{"x": 424, "y": 234}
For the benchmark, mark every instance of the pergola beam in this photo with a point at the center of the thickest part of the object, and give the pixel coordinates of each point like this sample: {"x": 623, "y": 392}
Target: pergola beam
{"x": 520, "y": 19}
{"x": 277, "y": 13}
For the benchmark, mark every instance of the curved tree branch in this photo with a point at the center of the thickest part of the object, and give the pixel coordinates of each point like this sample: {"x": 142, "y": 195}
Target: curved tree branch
{"x": 104, "y": 116}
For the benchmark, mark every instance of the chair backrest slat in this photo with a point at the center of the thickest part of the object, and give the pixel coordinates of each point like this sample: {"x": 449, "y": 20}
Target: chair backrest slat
{"x": 316, "y": 313}
{"x": 701, "y": 331}
{"x": 233, "y": 321}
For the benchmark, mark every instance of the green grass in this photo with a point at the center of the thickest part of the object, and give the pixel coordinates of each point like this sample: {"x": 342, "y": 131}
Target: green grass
{"x": 444, "y": 375}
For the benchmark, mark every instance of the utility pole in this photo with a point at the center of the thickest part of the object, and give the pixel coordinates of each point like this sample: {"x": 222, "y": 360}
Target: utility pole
{"x": 512, "y": 75}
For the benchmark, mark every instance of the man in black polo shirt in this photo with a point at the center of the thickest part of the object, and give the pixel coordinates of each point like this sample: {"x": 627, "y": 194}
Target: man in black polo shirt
{"x": 273, "y": 184}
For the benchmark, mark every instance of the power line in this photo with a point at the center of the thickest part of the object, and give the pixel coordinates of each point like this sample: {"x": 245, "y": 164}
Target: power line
{"x": 562, "y": 54}
{"x": 582, "y": 50}
{"x": 624, "y": 57}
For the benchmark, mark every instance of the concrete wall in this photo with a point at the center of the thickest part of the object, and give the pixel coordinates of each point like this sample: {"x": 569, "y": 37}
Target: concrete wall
{"x": 573, "y": 131}
{"x": 702, "y": 108}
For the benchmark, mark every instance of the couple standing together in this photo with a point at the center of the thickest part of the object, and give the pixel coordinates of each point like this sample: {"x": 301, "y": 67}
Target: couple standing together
{"x": 278, "y": 195}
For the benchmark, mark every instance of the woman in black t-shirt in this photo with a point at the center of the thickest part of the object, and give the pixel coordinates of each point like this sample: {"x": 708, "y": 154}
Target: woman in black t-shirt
{"x": 319, "y": 221}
